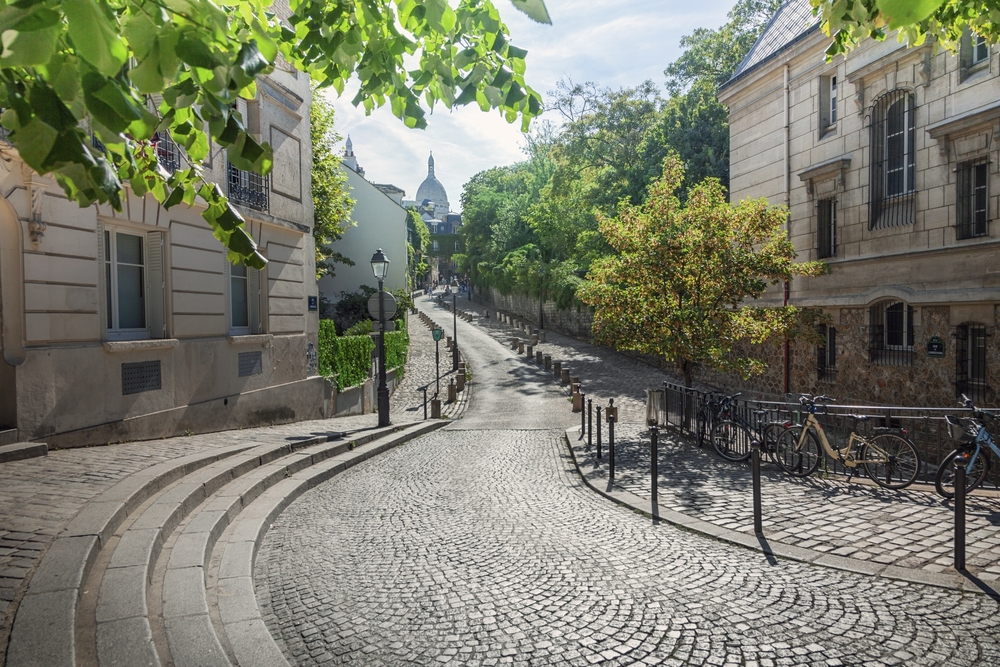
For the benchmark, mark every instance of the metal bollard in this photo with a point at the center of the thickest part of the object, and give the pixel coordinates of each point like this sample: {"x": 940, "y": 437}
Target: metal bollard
{"x": 548, "y": 361}
{"x": 424, "y": 389}
{"x": 590, "y": 422}
{"x": 538, "y": 357}
{"x": 611, "y": 448}
{"x": 653, "y": 467}
{"x": 435, "y": 407}
{"x": 758, "y": 522}
{"x": 598, "y": 432}
{"x": 961, "y": 461}
{"x": 583, "y": 415}
{"x": 557, "y": 368}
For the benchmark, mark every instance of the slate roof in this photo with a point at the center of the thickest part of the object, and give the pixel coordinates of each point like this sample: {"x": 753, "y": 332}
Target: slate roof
{"x": 793, "y": 21}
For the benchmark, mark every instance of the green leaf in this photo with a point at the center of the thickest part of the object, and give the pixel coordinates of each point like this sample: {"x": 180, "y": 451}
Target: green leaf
{"x": 176, "y": 195}
{"x": 229, "y": 219}
{"x": 34, "y": 141}
{"x": 196, "y": 53}
{"x": 515, "y": 52}
{"x": 94, "y": 36}
{"x": 249, "y": 63}
{"x": 108, "y": 102}
{"x": 24, "y": 49}
{"x": 535, "y": 9}
{"x": 241, "y": 243}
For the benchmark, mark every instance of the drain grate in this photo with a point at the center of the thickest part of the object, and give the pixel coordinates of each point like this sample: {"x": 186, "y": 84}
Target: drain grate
{"x": 141, "y": 376}
{"x": 250, "y": 364}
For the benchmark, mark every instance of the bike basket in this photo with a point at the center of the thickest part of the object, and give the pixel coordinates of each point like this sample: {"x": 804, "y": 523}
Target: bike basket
{"x": 961, "y": 430}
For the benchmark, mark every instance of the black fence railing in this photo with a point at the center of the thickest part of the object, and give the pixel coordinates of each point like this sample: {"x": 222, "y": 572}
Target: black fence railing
{"x": 248, "y": 189}
{"x": 677, "y": 407}
{"x": 168, "y": 153}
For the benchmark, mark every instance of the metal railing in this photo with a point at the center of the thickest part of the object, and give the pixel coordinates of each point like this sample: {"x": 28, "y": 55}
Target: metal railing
{"x": 248, "y": 189}
{"x": 168, "y": 154}
{"x": 676, "y": 406}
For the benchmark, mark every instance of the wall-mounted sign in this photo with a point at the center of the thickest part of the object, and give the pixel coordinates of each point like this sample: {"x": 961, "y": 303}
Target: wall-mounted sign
{"x": 313, "y": 303}
{"x": 935, "y": 347}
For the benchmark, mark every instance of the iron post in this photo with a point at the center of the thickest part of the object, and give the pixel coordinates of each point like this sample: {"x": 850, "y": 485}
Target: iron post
{"x": 653, "y": 466}
{"x": 758, "y": 522}
{"x": 424, "y": 389}
{"x": 583, "y": 415}
{"x": 611, "y": 447}
{"x": 961, "y": 461}
{"x": 598, "y": 432}
{"x": 454, "y": 320}
{"x": 590, "y": 422}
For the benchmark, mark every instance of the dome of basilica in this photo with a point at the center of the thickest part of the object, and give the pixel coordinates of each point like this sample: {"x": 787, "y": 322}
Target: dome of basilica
{"x": 431, "y": 189}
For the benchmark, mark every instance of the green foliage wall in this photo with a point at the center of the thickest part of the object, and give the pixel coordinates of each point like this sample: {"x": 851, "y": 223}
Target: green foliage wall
{"x": 397, "y": 345}
{"x": 347, "y": 357}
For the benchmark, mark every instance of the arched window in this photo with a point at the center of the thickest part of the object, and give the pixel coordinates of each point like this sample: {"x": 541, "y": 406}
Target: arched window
{"x": 891, "y": 333}
{"x": 893, "y": 151}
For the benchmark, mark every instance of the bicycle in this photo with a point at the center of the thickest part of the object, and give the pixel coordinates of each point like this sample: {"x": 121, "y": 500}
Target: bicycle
{"x": 888, "y": 457}
{"x": 971, "y": 435}
{"x": 706, "y": 417}
{"x": 732, "y": 436}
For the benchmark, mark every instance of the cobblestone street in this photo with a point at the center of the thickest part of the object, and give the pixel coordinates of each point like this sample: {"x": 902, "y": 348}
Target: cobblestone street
{"x": 480, "y": 545}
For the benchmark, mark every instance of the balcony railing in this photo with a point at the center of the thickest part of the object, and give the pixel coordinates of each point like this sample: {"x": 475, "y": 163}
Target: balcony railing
{"x": 249, "y": 189}
{"x": 168, "y": 153}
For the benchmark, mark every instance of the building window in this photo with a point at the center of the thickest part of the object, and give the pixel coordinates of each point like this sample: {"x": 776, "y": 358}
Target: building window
{"x": 125, "y": 285}
{"x": 249, "y": 189}
{"x": 827, "y": 104}
{"x": 973, "y": 207}
{"x": 436, "y": 247}
{"x": 826, "y": 354}
{"x": 167, "y": 152}
{"x": 970, "y": 361}
{"x": 826, "y": 228}
{"x": 240, "y": 300}
{"x": 891, "y": 334}
{"x": 980, "y": 49}
{"x": 893, "y": 167}
{"x": 457, "y": 248}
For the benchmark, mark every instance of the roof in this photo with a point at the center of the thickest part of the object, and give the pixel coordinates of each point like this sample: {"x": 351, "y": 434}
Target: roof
{"x": 793, "y": 21}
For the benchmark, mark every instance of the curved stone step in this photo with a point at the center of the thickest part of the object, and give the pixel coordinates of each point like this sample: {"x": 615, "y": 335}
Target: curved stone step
{"x": 242, "y": 627}
{"x": 44, "y": 628}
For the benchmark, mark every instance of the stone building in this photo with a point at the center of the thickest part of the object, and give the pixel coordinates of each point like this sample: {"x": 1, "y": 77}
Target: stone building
{"x": 885, "y": 159}
{"x": 133, "y": 324}
{"x": 432, "y": 203}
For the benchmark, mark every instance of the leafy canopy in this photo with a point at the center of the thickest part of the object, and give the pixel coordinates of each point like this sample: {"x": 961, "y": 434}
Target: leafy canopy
{"x": 127, "y": 69}
{"x": 850, "y": 21}
{"x": 677, "y": 286}
{"x": 332, "y": 205}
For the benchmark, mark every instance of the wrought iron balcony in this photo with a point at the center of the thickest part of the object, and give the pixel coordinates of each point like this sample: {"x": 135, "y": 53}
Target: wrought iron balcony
{"x": 249, "y": 189}
{"x": 167, "y": 153}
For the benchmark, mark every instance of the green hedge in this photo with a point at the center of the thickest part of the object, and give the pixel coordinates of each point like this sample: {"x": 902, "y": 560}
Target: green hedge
{"x": 347, "y": 357}
{"x": 397, "y": 344}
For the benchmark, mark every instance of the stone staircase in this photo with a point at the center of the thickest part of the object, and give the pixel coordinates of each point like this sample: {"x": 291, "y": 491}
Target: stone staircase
{"x": 158, "y": 570}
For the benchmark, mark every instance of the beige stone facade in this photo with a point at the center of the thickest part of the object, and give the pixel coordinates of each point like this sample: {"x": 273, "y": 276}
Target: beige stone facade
{"x": 132, "y": 324}
{"x": 887, "y": 161}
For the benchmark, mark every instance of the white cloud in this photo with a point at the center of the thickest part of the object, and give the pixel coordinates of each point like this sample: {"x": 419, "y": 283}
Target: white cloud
{"x": 615, "y": 43}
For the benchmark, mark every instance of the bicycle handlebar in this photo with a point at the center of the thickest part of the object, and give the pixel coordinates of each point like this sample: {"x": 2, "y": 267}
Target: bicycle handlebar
{"x": 978, "y": 413}
{"x": 808, "y": 399}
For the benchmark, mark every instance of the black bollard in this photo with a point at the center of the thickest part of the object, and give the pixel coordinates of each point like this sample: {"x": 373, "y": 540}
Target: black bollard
{"x": 758, "y": 522}
{"x": 590, "y": 422}
{"x": 611, "y": 448}
{"x": 598, "y": 433}
{"x": 653, "y": 466}
{"x": 583, "y": 415}
{"x": 424, "y": 389}
{"x": 961, "y": 461}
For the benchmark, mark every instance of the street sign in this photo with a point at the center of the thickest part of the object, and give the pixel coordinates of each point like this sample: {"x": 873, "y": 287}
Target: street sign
{"x": 437, "y": 334}
{"x": 389, "y": 326}
{"x": 390, "y": 306}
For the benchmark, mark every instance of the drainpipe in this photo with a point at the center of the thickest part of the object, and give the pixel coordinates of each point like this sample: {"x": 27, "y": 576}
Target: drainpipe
{"x": 788, "y": 207}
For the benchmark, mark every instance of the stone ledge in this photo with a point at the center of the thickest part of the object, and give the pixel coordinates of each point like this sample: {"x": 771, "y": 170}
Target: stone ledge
{"x": 250, "y": 339}
{"x": 136, "y": 345}
{"x": 23, "y": 450}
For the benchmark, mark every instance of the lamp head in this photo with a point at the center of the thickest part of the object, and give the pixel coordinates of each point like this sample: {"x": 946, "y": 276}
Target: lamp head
{"x": 437, "y": 334}
{"x": 380, "y": 265}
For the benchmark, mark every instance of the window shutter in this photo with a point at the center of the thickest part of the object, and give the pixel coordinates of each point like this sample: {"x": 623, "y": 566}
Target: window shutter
{"x": 253, "y": 300}
{"x": 155, "y": 284}
{"x": 831, "y": 346}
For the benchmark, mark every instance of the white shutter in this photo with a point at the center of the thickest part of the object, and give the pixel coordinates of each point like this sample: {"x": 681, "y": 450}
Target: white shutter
{"x": 102, "y": 281}
{"x": 155, "y": 285}
{"x": 253, "y": 300}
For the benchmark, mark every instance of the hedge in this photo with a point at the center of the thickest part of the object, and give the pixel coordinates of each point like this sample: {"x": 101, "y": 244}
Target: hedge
{"x": 396, "y": 346}
{"x": 347, "y": 357}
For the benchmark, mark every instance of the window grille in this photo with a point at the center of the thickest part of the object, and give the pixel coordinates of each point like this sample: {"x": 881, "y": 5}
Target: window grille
{"x": 891, "y": 334}
{"x": 970, "y": 361}
{"x": 250, "y": 363}
{"x": 826, "y": 228}
{"x": 140, "y": 377}
{"x": 893, "y": 137}
{"x": 826, "y": 354}
{"x": 167, "y": 152}
{"x": 248, "y": 189}
{"x": 973, "y": 198}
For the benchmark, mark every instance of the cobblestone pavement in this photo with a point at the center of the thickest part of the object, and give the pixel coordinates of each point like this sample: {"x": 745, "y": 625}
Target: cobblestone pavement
{"x": 480, "y": 545}
{"x": 39, "y": 497}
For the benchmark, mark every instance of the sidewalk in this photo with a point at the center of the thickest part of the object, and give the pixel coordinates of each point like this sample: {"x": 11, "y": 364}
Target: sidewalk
{"x": 855, "y": 524}
{"x": 39, "y": 497}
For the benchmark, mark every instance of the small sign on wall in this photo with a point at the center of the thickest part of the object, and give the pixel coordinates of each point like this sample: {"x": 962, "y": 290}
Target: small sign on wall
{"x": 935, "y": 347}
{"x": 313, "y": 303}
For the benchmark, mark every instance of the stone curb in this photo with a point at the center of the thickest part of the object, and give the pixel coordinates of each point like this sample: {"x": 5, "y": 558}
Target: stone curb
{"x": 23, "y": 450}
{"x": 240, "y": 615}
{"x": 597, "y": 480}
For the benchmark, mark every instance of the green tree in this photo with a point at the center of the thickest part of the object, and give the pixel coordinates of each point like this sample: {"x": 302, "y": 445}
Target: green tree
{"x": 850, "y": 21}
{"x": 332, "y": 205}
{"x": 125, "y": 69}
{"x": 420, "y": 242}
{"x": 677, "y": 286}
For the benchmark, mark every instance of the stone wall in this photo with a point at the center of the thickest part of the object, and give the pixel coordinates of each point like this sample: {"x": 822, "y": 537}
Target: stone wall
{"x": 575, "y": 321}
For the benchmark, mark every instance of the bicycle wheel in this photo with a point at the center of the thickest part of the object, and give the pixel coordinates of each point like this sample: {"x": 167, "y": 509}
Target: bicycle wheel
{"x": 891, "y": 461}
{"x": 797, "y": 461}
{"x": 769, "y": 438}
{"x": 701, "y": 427}
{"x": 944, "y": 481}
{"x": 731, "y": 441}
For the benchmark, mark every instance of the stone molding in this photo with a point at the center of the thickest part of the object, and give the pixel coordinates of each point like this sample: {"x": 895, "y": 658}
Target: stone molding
{"x": 135, "y": 345}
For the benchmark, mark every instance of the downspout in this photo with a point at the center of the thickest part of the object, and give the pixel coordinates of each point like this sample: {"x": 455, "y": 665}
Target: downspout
{"x": 788, "y": 207}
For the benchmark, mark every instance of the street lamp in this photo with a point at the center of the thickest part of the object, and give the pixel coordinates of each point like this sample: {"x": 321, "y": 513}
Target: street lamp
{"x": 454, "y": 319}
{"x": 438, "y": 334}
{"x": 380, "y": 267}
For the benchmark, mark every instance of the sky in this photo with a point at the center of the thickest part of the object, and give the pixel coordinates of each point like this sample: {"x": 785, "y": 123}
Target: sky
{"x": 615, "y": 43}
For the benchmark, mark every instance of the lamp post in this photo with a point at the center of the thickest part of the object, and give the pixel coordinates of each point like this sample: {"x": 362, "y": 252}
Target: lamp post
{"x": 380, "y": 267}
{"x": 438, "y": 334}
{"x": 454, "y": 320}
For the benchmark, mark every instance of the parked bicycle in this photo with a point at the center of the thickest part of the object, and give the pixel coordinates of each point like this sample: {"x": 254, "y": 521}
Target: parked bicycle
{"x": 732, "y": 434}
{"x": 971, "y": 436}
{"x": 707, "y": 415}
{"x": 886, "y": 454}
